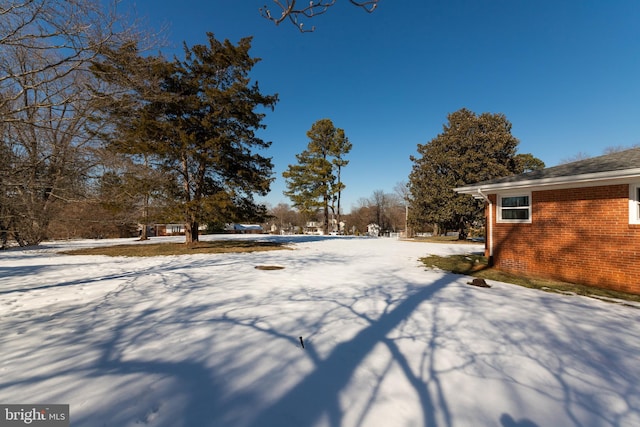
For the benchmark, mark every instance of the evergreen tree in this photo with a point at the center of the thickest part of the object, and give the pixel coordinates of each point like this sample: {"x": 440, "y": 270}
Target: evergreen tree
{"x": 197, "y": 119}
{"x": 342, "y": 147}
{"x": 314, "y": 183}
{"x": 471, "y": 148}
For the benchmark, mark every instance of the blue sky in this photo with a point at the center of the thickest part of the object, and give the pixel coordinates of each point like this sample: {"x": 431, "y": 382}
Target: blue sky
{"x": 565, "y": 73}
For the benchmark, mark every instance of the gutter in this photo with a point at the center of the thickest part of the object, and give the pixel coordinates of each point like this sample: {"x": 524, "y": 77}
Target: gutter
{"x": 572, "y": 181}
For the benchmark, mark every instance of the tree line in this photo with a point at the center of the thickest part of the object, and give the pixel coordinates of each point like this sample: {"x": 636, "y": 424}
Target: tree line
{"x": 48, "y": 153}
{"x": 471, "y": 148}
{"x": 95, "y": 130}
{"x": 387, "y": 210}
{"x": 98, "y": 136}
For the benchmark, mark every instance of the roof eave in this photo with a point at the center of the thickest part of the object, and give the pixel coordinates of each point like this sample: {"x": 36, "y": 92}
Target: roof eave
{"x": 563, "y": 181}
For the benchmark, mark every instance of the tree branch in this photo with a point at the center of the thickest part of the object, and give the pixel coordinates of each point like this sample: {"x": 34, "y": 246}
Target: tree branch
{"x": 314, "y": 8}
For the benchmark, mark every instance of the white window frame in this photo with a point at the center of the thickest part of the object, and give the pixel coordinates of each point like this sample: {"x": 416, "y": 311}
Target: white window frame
{"x": 499, "y": 218}
{"x": 634, "y": 203}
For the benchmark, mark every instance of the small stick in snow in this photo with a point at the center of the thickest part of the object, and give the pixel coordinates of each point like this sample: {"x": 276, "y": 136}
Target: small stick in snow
{"x": 301, "y": 342}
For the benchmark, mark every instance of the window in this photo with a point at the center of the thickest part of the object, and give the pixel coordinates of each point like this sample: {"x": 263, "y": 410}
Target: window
{"x": 516, "y": 208}
{"x": 634, "y": 204}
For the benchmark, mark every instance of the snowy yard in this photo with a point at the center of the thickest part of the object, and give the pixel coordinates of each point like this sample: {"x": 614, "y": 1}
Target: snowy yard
{"x": 209, "y": 340}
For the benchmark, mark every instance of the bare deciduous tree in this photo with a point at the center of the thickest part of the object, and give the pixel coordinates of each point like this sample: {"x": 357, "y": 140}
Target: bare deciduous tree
{"x": 401, "y": 190}
{"x": 46, "y": 48}
{"x": 286, "y": 218}
{"x": 49, "y": 146}
{"x": 581, "y": 155}
{"x": 386, "y": 210}
{"x": 59, "y": 37}
{"x": 296, "y": 13}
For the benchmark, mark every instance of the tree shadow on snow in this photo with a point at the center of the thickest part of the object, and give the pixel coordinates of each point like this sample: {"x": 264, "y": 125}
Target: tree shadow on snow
{"x": 317, "y": 395}
{"x": 206, "y": 399}
{"x": 507, "y": 420}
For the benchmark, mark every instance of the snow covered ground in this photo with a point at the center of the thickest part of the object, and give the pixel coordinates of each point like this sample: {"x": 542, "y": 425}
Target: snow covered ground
{"x": 208, "y": 340}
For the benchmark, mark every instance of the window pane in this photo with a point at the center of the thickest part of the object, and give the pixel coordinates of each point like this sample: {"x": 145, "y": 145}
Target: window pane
{"x": 515, "y": 213}
{"x": 514, "y": 202}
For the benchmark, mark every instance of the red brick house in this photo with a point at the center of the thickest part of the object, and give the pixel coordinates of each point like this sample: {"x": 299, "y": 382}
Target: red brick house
{"x": 578, "y": 222}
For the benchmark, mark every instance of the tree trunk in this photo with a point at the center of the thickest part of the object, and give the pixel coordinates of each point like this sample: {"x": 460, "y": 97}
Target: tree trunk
{"x": 4, "y": 236}
{"x": 191, "y": 231}
{"x": 145, "y": 235}
{"x": 338, "y": 216}
{"x": 462, "y": 231}
{"x": 339, "y": 195}
{"x": 325, "y": 226}
{"x": 191, "y": 224}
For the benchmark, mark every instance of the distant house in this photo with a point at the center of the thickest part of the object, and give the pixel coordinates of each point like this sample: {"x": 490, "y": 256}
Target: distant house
{"x": 314, "y": 227}
{"x": 317, "y": 227}
{"x": 373, "y": 230}
{"x": 244, "y": 228}
{"x": 578, "y": 222}
{"x": 168, "y": 230}
{"x": 175, "y": 229}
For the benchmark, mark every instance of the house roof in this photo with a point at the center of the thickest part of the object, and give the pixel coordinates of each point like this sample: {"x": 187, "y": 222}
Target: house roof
{"x": 619, "y": 166}
{"x": 247, "y": 227}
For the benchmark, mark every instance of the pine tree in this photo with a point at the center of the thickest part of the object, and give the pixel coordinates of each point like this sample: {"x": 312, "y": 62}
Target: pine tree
{"x": 342, "y": 147}
{"x": 314, "y": 182}
{"x": 197, "y": 119}
{"x": 471, "y": 148}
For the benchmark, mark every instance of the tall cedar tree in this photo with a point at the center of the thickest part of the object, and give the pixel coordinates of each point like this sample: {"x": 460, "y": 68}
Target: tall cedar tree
{"x": 197, "y": 118}
{"x": 314, "y": 183}
{"x": 471, "y": 148}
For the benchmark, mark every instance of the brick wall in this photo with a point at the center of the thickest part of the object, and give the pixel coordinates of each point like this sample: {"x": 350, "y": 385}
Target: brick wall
{"x": 579, "y": 235}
